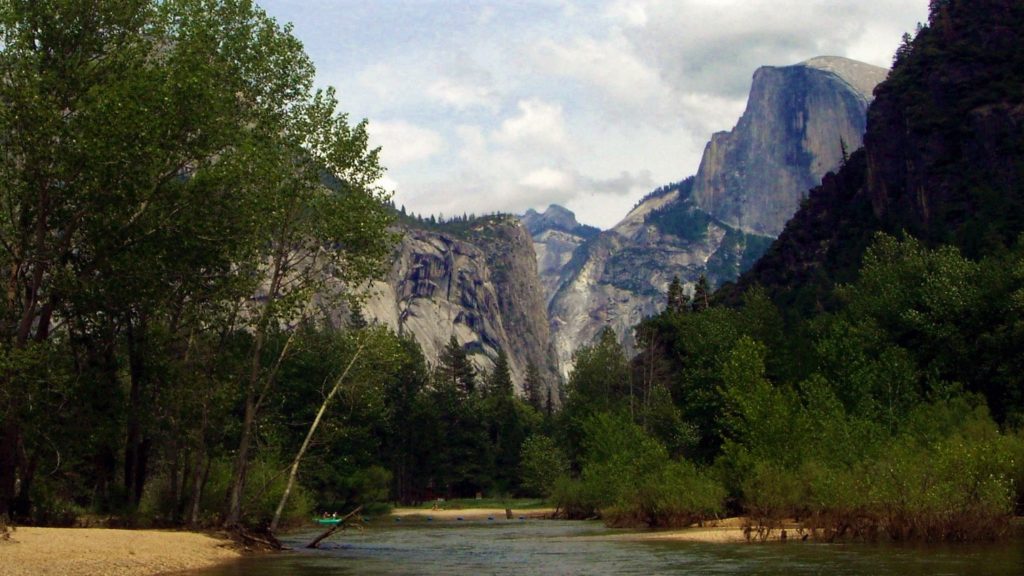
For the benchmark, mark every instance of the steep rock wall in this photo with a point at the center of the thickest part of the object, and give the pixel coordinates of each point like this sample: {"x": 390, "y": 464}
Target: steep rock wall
{"x": 753, "y": 177}
{"x": 478, "y": 284}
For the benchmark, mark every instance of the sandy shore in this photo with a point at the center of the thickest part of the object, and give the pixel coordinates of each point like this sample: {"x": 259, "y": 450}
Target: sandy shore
{"x": 93, "y": 551}
{"x": 471, "y": 513}
{"x": 725, "y": 531}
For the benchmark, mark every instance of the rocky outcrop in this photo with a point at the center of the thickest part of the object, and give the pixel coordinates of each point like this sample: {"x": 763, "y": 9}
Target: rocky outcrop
{"x": 477, "y": 281}
{"x": 556, "y": 236}
{"x": 621, "y": 276}
{"x": 720, "y": 221}
{"x": 792, "y": 133}
{"x": 942, "y": 158}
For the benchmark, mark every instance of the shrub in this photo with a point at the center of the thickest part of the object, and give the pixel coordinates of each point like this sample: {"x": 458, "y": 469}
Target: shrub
{"x": 541, "y": 464}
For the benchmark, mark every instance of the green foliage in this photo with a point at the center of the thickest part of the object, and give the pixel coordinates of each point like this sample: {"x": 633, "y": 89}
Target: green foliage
{"x": 542, "y": 464}
{"x": 678, "y": 300}
{"x": 628, "y": 478}
{"x": 261, "y": 495}
{"x": 672, "y": 496}
{"x": 686, "y": 222}
{"x": 600, "y": 380}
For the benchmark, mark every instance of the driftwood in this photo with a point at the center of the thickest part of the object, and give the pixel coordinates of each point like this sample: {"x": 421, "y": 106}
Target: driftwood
{"x": 260, "y": 540}
{"x": 339, "y": 526}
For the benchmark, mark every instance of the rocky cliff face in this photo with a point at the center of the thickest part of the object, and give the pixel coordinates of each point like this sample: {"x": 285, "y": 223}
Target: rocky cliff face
{"x": 942, "y": 157}
{"x": 790, "y": 135}
{"x": 556, "y": 236}
{"x": 720, "y": 221}
{"x": 621, "y": 276}
{"x": 477, "y": 281}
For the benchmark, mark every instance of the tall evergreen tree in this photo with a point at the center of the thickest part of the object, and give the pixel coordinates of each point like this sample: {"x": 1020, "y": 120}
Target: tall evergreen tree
{"x": 500, "y": 381}
{"x": 678, "y": 300}
{"x": 534, "y": 387}
{"x": 455, "y": 367}
{"x": 701, "y": 294}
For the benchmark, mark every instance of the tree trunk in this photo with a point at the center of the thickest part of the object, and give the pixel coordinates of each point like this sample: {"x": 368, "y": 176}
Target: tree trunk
{"x": 234, "y": 514}
{"x": 10, "y": 437}
{"x": 136, "y": 453}
{"x": 309, "y": 437}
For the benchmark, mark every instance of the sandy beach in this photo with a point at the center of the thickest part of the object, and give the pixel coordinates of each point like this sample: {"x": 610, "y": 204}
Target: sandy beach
{"x": 95, "y": 551}
{"x": 471, "y": 513}
{"x": 724, "y": 531}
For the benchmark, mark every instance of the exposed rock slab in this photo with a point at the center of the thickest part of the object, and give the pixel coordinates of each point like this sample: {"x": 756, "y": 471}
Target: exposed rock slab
{"x": 792, "y": 133}
{"x": 478, "y": 284}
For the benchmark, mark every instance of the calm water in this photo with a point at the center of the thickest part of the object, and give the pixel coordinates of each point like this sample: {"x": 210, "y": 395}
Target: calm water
{"x": 546, "y": 547}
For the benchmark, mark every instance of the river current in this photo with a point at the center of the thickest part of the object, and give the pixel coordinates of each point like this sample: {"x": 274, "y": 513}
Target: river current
{"x": 551, "y": 547}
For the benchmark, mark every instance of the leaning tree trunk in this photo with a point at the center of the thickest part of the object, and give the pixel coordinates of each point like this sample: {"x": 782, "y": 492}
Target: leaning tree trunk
{"x": 309, "y": 437}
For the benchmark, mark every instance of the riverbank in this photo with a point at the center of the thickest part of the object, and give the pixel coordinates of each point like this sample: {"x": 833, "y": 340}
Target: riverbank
{"x": 724, "y": 531}
{"x": 731, "y": 530}
{"x": 471, "y": 513}
{"x": 91, "y": 551}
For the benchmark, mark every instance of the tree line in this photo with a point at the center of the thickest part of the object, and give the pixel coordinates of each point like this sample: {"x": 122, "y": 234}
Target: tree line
{"x": 176, "y": 200}
{"x": 896, "y": 416}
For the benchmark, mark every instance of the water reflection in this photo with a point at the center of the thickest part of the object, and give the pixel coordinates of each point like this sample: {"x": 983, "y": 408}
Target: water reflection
{"x": 546, "y": 547}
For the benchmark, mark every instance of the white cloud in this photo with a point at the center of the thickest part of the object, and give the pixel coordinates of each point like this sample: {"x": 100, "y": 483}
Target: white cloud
{"x": 462, "y": 95}
{"x": 402, "y": 143}
{"x": 547, "y": 179}
{"x": 714, "y": 46}
{"x": 631, "y": 12}
{"x": 626, "y": 86}
{"x": 538, "y": 123}
{"x": 509, "y": 105}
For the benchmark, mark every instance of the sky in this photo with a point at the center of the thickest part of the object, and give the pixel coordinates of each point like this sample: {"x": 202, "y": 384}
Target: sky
{"x": 504, "y": 105}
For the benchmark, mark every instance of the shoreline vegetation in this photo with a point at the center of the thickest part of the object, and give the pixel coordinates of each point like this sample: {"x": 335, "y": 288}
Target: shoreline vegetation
{"x": 30, "y": 551}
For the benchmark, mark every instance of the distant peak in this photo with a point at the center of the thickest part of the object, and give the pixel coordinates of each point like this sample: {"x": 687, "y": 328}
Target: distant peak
{"x": 863, "y": 77}
{"x": 556, "y": 211}
{"x": 555, "y": 217}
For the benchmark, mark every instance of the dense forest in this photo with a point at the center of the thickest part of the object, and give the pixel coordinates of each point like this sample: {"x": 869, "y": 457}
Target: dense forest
{"x": 183, "y": 214}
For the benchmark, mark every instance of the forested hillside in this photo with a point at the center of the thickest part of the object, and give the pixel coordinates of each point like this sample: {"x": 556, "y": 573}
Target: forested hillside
{"x": 865, "y": 376}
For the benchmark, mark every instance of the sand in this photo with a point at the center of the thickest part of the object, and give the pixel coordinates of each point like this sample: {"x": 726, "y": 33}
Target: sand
{"x": 725, "y": 531}
{"x": 471, "y": 513}
{"x": 95, "y": 551}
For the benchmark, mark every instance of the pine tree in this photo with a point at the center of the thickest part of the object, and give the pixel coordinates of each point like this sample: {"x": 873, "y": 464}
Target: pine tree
{"x": 455, "y": 367}
{"x": 678, "y": 300}
{"x": 701, "y": 294}
{"x": 533, "y": 387}
{"x": 500, "y": 382}
{"x": 356, "y": 319}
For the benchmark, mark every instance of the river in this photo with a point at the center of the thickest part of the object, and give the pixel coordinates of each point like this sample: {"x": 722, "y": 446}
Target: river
{"x": 550, "y": 547}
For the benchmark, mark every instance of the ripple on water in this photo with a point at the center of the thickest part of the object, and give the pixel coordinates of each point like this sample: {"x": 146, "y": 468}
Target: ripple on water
{"x": 546, "y": 547}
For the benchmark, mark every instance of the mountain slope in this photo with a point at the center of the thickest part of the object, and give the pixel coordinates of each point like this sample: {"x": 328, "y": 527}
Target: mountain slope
{"x": 720, "y": 221}
{"x": 475, "y": 280}
{"x": 943, "y": 158}
{"x": 620, "y": 277}
{"x": 556, "y": 236}
{"x": 798, "y": 119}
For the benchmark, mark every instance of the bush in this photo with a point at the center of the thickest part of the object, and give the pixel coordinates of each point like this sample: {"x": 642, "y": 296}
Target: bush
{"x": 628, "y": 479}
{"x": 263, "y": 491}
{"x": 675, "y": 496}
{"x": 541, "y": 464}
{"x": 575, "y": 499}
